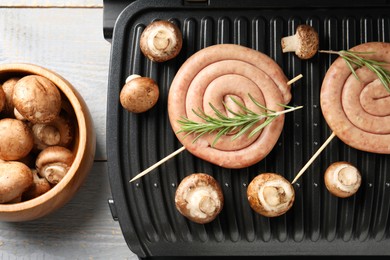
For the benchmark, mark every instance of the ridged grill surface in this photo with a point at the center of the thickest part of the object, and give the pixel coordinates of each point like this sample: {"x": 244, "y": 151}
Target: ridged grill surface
{"x": 318, "y": 222}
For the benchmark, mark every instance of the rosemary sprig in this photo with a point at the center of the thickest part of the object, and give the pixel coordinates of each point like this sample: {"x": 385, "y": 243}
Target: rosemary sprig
{"x": 357, "y": 59}
{"x": 239, "y": 123}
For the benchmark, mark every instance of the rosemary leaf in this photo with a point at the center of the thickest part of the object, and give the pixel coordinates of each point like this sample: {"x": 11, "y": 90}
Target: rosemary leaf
{"x": 357, "y": 59}
{"x": 221, "y": 124}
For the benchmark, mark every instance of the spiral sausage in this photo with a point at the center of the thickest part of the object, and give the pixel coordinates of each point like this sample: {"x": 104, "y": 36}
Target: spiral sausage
{"x": 358, "y": 111}
{"x": 214, "y": 74}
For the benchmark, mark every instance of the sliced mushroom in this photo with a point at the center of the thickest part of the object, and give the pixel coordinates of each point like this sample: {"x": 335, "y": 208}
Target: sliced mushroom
{"x": 8, "y": 88}
{"x": 37, "y": 99}
{"x": 15, "y": 178}
{"x": 342, "y": 179}
{"x": 53, "y": 163}
{"x": 270, "y": 194}
{"x": 161, "y": 41}
{"x": 58, "y": 132}
{"x": 139, "y": 94}
{"x": 304, "y": 42}
{"x": 37, "y": 188}
{"x": 199, "y": 197}
{"x": 16, "y": 139}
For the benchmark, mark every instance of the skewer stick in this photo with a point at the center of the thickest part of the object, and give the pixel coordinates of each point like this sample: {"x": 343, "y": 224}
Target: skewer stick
{"x": 146, "y": 171}
{"x": 296, "y": 78}
{"x": 139, "y": 175}
{"x": 314, "y": 157}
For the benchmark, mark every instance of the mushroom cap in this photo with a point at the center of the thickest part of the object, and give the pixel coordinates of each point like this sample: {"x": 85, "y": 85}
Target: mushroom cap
{"x": 8, "y": 88}
{"x": 270, "y": 194}
{"x": 37, "y": 99}
{"x": 305, "y": 42}
{"x": 16, "y": 139}
{"x": 2, "y": 98}
{"x": 15, "y": 178}
{"x": 342, "y": 179}
{"x": 199, "y": 197}
{"x": 139, "y": 94}
{"x": 161, "y": 41}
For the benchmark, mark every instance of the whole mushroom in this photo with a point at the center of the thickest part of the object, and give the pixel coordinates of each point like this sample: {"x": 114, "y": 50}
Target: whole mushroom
{"x": 342, "y": 179}
{"x": 37, "y": 99}
{"x": 59, "y": 132}
{"x": 8, "y": 88}
{"x": 161, "y": 41}
{"x": 16, "y": 139}
{"x": 304, "y": 42}
{"x": 199, "y": 197}
{"x": 270, "y": 194}
{"x": 53, "y": 163}
{"x": 15, "y": 178}
{"x": 139, "y": 94}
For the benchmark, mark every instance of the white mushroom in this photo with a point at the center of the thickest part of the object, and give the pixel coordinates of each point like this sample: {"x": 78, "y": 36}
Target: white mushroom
{"x": 15, "y": 178}
{"x": 270, "y": 194}
{"x": 37, "y": 99}
{"x": 54, "y": 162}
{"x": 161, "y": 41}
{"x": 304, "y": 42}
{"x": 16, "y": 139}
{"x": 342, "y": 179}
{"x": 199, "y": 198}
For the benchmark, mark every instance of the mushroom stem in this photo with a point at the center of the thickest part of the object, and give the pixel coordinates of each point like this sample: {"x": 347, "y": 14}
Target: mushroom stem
{"x": 290, "y": 43}
{"x": 54, "y": 172}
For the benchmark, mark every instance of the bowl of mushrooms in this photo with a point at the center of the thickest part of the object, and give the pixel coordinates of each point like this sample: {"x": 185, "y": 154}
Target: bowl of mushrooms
{"x": 47, "y": 141}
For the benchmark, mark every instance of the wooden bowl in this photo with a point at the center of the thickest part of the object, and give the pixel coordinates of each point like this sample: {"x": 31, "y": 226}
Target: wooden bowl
{"x": 84, "y": 149}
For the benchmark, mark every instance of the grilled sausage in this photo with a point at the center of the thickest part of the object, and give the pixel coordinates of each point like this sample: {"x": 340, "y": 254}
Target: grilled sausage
{"x": 215, "y": 74}
{"x": 358, "y": 110}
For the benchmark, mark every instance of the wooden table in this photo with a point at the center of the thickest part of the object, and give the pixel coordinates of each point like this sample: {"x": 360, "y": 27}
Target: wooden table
{"x": 67, "y": 37}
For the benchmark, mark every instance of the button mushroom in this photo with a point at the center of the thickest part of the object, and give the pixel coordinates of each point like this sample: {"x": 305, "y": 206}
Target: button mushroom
{"x": 15, "y": 178}
{"x": 58, "y": 132}
{"x": 37, "y": 99}
{"x": 53, "y": 163}
{"x": 16, "y": 139}
{"x": 37, "y": 188}
{"x": 139, "y": 94}
{"x": 270, "y": 194}
{"x": 199, "y": 198}
{"x": 342, "y": 179}
{"x": 161, "y": 41}
{"x": 8, "y": 87}
{"x": 304, "y": 42}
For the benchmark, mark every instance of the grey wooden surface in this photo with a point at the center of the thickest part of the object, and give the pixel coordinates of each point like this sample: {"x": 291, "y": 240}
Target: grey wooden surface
{"x": 68, "y": 38}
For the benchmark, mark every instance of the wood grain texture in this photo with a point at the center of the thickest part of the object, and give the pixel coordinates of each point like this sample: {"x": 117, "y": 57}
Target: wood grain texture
{"x": 82, "y": 229}
{"x": 69, "y": 42}
{"x": 51, "y": 3}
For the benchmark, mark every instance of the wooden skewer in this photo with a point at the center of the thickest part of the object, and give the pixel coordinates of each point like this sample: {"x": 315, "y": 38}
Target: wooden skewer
{"x": 139, "y": 175}
{"x": 296, "y": 78}
{"x": 146, "y": 171}
{"x": 314, "y": 157}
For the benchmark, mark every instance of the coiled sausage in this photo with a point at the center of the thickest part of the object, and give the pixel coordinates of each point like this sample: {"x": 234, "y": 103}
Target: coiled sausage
{"x": 214, "y": 74}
